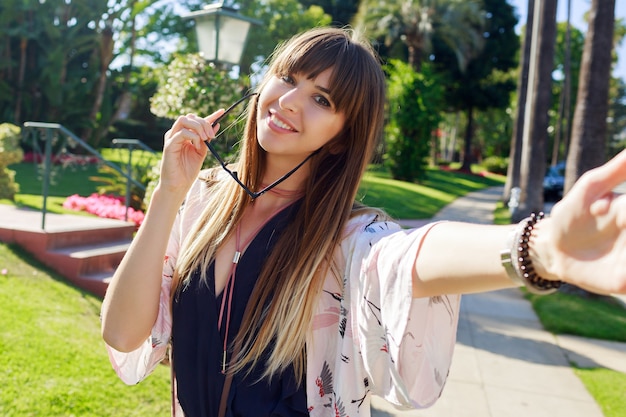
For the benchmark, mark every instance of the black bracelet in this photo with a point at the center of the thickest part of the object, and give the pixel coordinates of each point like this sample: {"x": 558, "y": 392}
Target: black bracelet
{"x": 525, "y": 268}
{"x": 517, "y": 263}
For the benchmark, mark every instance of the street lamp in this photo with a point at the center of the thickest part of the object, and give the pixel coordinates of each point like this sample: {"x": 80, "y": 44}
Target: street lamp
{"x": 222, "y": 33}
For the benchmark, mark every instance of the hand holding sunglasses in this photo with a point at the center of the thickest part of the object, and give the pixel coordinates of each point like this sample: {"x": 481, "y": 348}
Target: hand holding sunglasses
{"x": 233, "y": 174}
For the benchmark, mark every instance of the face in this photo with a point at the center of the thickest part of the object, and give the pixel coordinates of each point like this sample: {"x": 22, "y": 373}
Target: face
{"x": 296, "y": 115}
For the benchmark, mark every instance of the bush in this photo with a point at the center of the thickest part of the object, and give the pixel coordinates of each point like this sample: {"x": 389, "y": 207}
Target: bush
{"x": 496, "y": 164}
{"x": 415, "y": 104}
{"x": 189, "y": 84}
{"x": 10, "y": 153}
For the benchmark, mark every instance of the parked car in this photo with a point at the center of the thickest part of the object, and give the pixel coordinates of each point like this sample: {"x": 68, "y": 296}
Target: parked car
{"x": 554, "y": 182}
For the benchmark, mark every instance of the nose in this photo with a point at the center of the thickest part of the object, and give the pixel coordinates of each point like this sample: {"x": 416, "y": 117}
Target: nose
{"x": 290, "y": 100}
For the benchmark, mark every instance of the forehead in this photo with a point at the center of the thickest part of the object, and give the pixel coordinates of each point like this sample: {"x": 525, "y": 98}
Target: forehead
{"x": 323, "y": 79}
{"x": 345, "y": 66}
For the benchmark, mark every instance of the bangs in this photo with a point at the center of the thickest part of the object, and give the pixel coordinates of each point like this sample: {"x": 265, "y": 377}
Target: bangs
{"x": 314, "y": 54}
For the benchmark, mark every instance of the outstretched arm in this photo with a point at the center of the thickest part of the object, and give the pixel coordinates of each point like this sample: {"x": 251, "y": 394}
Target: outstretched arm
{"x": 131, "y": 304}
{"x": 583, "y": 242}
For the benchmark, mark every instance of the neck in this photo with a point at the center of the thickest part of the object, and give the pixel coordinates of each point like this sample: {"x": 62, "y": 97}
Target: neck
{"x": 284, "y": 193}
{"x": 291, "y": 181}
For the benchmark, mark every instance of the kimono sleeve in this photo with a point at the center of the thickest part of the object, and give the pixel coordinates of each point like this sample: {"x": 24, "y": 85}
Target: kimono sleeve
{"x": 133, "y": 367}
{"x": 406, "y": 343}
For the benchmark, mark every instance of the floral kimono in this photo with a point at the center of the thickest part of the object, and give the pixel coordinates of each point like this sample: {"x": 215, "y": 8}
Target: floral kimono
{"x": 368, "y": 335}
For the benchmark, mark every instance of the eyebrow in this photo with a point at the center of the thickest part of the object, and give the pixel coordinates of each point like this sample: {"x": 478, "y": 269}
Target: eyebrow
{"x": 323, "y": 89}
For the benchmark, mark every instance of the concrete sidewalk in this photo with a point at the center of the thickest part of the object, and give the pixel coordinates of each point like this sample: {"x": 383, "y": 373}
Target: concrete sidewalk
{"x": 505, "y": 364}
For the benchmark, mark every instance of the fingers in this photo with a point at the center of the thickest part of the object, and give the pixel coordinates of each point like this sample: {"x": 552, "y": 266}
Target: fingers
{"x": 194, "y": 129}
{"x": 608, "y": 176}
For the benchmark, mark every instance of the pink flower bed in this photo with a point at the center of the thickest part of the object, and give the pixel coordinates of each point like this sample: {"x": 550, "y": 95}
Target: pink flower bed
{"x": 103, "y": 205}
{"x": 63, "y": 159}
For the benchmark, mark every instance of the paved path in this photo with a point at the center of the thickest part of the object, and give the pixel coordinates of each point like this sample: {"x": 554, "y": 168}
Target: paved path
{"x": 505, "y": 364}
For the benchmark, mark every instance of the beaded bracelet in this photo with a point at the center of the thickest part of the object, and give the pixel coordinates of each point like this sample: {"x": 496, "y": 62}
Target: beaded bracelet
{"x": 519, "y": 267}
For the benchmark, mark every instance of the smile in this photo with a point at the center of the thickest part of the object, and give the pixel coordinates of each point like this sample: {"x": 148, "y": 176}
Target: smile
{"x": 279, "y": 123}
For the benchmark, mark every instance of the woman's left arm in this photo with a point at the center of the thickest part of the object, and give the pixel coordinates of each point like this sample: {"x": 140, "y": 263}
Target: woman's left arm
{"x": 583, "y": 242}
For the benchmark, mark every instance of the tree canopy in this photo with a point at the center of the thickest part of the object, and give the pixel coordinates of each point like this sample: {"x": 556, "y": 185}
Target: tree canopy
{"x": 414, "y": 23}
{"x": 487, "y": 81}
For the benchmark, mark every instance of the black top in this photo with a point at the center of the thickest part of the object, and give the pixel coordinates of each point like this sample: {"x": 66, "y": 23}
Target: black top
{"x": 198, "y": 344}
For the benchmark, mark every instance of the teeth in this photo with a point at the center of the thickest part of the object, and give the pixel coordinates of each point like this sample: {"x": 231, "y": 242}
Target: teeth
{"x": 280, "y": 123}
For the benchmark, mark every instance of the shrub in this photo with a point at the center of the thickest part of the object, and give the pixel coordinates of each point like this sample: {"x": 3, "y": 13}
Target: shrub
{"x": 114, "y": 183}
{"x": 496, "y": 164}
{"x": 10, "y": 153}
{"x": 415, "y": 104}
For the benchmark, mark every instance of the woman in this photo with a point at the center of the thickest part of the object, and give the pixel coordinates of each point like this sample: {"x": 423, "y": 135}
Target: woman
{"x": 281, "y": 296}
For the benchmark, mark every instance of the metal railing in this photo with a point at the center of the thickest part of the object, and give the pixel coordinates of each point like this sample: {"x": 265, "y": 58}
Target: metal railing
{"x": 57, "y": 135}
{"x": 131, "y": 144}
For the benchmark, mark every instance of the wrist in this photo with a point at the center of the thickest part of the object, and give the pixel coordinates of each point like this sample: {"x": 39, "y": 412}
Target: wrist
{"x": 164, "y": 203}
{"x": 524, "y": 259}
{"x": 540, "y": 250}
{"x": 168, "y": 195}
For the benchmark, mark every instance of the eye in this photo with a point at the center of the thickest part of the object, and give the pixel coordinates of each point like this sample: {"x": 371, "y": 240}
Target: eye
{"x": 322, "y": 101}
{"x": 287, "y": 79}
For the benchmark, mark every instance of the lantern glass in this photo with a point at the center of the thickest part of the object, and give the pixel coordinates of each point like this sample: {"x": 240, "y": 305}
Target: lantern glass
{"x": 222, "y": 38}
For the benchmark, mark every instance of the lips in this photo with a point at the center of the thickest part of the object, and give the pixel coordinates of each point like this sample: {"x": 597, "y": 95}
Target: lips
{"x": 282, "y": 124}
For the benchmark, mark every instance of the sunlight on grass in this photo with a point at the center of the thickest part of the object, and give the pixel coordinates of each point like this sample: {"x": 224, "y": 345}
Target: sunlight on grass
{"x": 63, "y": 181}
{"x": 607, "y": 387}
{"x": 53, "y": 204}
{"x": 501, "y": 214}
{"x": 119, "y": 156}
{"x": 53, "y": 359}
{"x": 404, "y": 200}
{"x": 570, "y": 314}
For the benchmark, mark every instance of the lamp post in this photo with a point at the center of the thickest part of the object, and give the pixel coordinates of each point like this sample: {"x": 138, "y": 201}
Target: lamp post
{"x": 222, "y": 33}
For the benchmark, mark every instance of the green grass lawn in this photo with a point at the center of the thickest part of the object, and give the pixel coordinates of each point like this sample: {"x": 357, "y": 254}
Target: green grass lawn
{"x": 607, "y": 387}
{"x": 403, "y": 200}
{"x": 53, "y": 359}
{"x": 64, "y": 182}
{"x": 597, "y": 318}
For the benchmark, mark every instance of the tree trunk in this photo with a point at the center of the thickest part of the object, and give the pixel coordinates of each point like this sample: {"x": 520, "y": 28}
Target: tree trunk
{"x": 588, "y": 145}
{"x": 415, "y": 48}
{"x": 515, "y": 155}
{"x": 20, "y": 81}
{"x": 125, "y": 101}
{"x": 106, "y": 56}
{"x": 564, "y": 99}
{"x": 533, "y": 161}
{"x": 469, "y": 133}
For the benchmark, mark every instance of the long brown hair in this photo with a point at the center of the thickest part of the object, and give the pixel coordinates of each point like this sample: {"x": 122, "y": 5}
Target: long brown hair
{"x": 281, "y": 307}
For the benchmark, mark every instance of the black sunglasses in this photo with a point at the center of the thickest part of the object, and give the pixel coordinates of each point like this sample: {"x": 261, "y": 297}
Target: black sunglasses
{"x": 233, "y": 174}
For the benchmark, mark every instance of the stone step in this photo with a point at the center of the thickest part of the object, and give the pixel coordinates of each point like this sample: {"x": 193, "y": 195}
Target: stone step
{"x": 85, "y": 250}
{"x": 94, "y": 235}
{"x": 95, "y": 282}
{"x": 79, "y": 261}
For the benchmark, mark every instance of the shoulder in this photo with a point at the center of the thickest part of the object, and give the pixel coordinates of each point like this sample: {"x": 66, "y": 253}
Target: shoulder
{"x": 200, "y": 189}
{"x": 199, "y": 194}
{"x": 370, "y": 222}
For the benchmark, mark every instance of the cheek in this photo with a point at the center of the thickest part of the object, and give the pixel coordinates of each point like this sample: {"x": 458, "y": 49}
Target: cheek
{"x": 337, "y": 126}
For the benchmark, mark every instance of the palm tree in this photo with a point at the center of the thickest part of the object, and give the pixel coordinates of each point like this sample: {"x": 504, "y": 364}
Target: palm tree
{"x": 588, "y": 144}
{"x": 533, "y": 162}
{"x": 515, "y": 155}
{"x": 413, "y": 22}
{"x": 563, "y": 116}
